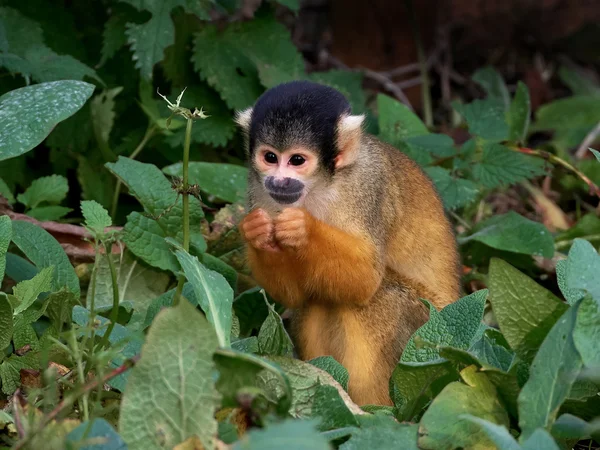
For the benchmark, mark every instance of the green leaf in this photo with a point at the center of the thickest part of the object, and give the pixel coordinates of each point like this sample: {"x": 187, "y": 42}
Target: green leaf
{"x": 552, "y": 373}
{"x": 333, "y": 368}
{"x": 439, "y": 145}
{"x": 329, "y": 406}
{"x": 165, "y": 300}
{"x": 48, "y": 213}
{"x": 596, "y": 153}
{"x": 576, "y": 112}
{"x": 498, "y": 434}
{"x": 485, "y": 118}
{"x": 587, "y": 332}
{"x": 348, "y": 83}
{"x": 519, "y": 114}
{"x": 455, "y": 326}
{"x": 396, "y": 121}
{"x": 96, "y": 217}
{"x": 5, "y": 237}
{"x": 103, "y": 116}
{"x": 442, "y": 427}
{"x": 289, "y": 434}
{"x": 500, "y": 166}
{"x": 583, "y": 267}
{"x": 382, "y": 432}
{"x": 99, "y": 433}
{"x": 170, "y": 393}
{"x": 29, "y": 114}
{"x": 10, "y": 370}
{"x": 568, "y": 426}
{"x": 238, "y": 61}
{"x": 228, "y": 182}
{"x": 491, "y": 80}
{"x": 578, "y": 81}
{"x": 6, "y": 321}
{"x": 490, "y": 352}
{"x": 217, "y": 130}
{"x": 571, "y": 295}
{"x": 213, "y": 293}
{"x": 294, "y": 5}
{"x": 113, "y": 36}
{"x": 6, "y": 192}
{"x": 28, "y": 291}
{"x": 455, "y": 192}
{"x": 513, "y": 233}
{"x": 45, "y": 251}
{"x": 525, "y": 311}
{"x": 272, "y": 337}
{"x": 51, "y": 189}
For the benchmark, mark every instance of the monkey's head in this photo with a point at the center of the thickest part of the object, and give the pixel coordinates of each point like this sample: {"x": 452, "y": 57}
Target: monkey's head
{"x": 298, "y": 135}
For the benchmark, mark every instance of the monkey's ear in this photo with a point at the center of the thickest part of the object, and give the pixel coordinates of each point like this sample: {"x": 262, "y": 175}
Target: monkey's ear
{"x": 349, "y": 135}
{"x": 243, "y": 118}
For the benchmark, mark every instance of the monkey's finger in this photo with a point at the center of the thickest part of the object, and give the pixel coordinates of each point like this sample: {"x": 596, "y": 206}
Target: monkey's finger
{"x": 258, "y": 223}
{"x": 260, "y": 231}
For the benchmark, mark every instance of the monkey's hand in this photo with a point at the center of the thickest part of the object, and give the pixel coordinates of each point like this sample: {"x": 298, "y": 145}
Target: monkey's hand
{"x": 291, "y": 228}
{"x": 257, "y": 229}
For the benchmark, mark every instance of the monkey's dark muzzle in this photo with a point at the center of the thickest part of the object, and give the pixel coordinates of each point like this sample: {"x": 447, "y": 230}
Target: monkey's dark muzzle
{"x": 284, "y": 190}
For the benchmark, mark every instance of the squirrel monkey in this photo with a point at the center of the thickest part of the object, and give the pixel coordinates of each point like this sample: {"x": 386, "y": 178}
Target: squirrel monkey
{"x": 345, "y": 230}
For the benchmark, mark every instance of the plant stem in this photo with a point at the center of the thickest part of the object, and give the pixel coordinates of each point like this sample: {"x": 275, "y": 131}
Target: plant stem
{"x": 114, "y": 313}
{"x": 186, "y": 205}
{"x": 149, "y": 133}
{"x": 427, "y": 108}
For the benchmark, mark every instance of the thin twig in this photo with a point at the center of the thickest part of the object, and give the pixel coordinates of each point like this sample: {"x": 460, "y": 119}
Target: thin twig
{"x": 389, "y": 85}
{"x": 587, "y": 142}
{"x": 409, "y": 83}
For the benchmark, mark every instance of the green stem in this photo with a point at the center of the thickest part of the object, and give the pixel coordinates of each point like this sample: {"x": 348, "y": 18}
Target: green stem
{"x": 427, "y": 108}
{"x": 114, "y": 313}
{"x": 149, "y": 133}
{"x": 564, "y": 244}
{"x": 186, "y": 205}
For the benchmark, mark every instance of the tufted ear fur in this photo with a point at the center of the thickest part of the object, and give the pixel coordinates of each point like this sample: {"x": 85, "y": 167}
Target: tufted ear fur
{"x": 243, "y": 118}
{"x": 349, "y": 135}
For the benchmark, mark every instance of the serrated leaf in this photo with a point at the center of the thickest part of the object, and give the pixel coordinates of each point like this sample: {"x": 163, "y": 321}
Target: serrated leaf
{"x": 519, "y": 114}
{"x": 438, "y": 145}
{"x": 331, "y": 409}
{"x": 103, "y": 115}
{"x": 46, "y": 66}
{"x": 98, "y": 433}
{"x": 10, "y": 370}
{"x": 290, "y": 434}
{"x": 583, "y": 267}
{"x": 6, "y": 321}
{"x": 379, "y": 431}
{"x": 551, "y": 375}
{"x": 28, "y": 114}
{"x": 455, "y": 326}
{"x": 28, "y": 291}
{"x": 228, "y": 182}
{"x": 113, "y": 36}
{"x": 491, "y": 80}
{"x": 45, "y": 251}
{"x": 96, "y": 217}
{"x": 396, "y": 121}
{"x": 500, "y": 166}
{"x": 5, "y": 238}
{"x": 333, "y": 368}
{"x": 485, "y": 118}
{"x": 524, "y": 310}
{"x": 442, "y": 427}
{"x": 586, "y": 334}
{"x": 455, "y": 192}
{"x": 48, "y": 213}
{"x": 513, "y": 233}
{"x": 170, "y": 393}
{"x": 238, "y": 61}
{"x": 213, "y": 293}
{"x": 51, "y": 189}
{"x": 273, "y": 339}
{"x": 347, "y": 82}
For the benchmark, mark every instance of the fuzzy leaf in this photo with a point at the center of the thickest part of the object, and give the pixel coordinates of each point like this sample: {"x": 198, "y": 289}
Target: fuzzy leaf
{"x": 10, "y": 370}
{"x": 45, "y": 251}
{"x": 513, "y": 233}
{"x": 6, "y": 321}
{"x": 329, "y": 406}
{"x": 96, "y": 217}
{"x": 396, "y": 121}
{"x": 273, "y": 339}
{"x": 170, "y": 394}
{"x": 28, "y": 291}
{"x": 99, "y": 433}
{"x": 503, "y": 440}
{"x": 6, "y": 192}
{"x": 5, "y": 238}
{"x": 51, "y": 189}
{"x": 571, "y": 295}
{"x": 587, "y": 332}
{"x": 382, "y": 432}
{"x": 48, "y": 213}
{"x": 583, "y": 267}
{"x": 485, "y": 118}
{"x": 290, "y": 434}
{"x": 524, "y": 310}
{"x": 213, "y": 293}
{"x": 519, "y": 114}
{"x": 455, "y": 192}
{"x": 28, "y": 114}
{"x": 552, "y": 373}
{"x": 333, "y": 368}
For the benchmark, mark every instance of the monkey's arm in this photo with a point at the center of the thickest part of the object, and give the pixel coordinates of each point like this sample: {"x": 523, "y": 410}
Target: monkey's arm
{"x": 338, "y": 267}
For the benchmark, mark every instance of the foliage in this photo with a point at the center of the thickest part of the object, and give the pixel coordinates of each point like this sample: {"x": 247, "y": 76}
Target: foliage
{"x": 193, "y": 353}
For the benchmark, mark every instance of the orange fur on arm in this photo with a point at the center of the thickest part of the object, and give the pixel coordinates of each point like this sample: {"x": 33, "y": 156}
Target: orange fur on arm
{"x": 278, "y": 274}
{"x": 339, "y": 268}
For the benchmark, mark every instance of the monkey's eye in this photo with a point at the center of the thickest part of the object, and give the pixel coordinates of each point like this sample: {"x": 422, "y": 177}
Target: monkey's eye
{"x": 297, "y": 160}
{"x": 271, "y": 158}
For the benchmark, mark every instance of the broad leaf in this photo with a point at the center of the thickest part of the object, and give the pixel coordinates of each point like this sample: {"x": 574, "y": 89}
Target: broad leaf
{"x": 6, "y": 321}
{"x": 552, "y": 373}
{"x": 10, "y": 370}
{"x": 485, "y": 118}
{"x": 333, "y": 368}
{"x": 290, "y": 434}
{"x": 586, "y": 334}
{"x": 494, "y": 85}
{"x": 96, "y": 217}
{"x": 576, "y": 112}
{"x": 48, "y": 213}
{"x": 455, "y": 192}
{"x": 348, "y": 83}
{"x": 524, "y": 310}
{"x": 228, "y": 182}
{"x": 519, "y": 114}
{"x": 213, "y": 293}
{"x": 331, "y": 409}
{"x": 382, "y": 432}
{"x": 583, "y": 267}
{"x": 577, "y": 80}
{"x": 28, "y": 114}
{"x": 396, "y": 121}
{"x": 28, "y": 291}
{"x": 51, "y": 189}
{"x": 513, "y": 233}
{"x": 170, "y": 394}
{"x": 99, "y": 433}
{"x": 571, "y": 295}
{"x": 273, "y": 339}
{"x": 5, "y": 237}
{"x": 45, "y": 251}
{"x": 102, "y": 111}
{"x": 503, "y": 440}
{"x": 569, "y": 426}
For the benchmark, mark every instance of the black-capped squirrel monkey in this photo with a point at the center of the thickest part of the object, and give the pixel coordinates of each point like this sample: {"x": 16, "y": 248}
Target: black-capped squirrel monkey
{"x": 345, "y": 230}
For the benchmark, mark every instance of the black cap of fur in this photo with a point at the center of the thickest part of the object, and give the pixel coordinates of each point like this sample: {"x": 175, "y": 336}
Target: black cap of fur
{"x": 299, "y": 113}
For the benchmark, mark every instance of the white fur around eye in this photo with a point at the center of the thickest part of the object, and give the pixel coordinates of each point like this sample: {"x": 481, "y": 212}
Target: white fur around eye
{"x": 243, "y": 118}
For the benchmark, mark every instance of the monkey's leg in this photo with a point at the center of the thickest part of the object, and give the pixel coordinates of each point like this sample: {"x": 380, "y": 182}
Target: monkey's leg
{"x": 375, "y": 336}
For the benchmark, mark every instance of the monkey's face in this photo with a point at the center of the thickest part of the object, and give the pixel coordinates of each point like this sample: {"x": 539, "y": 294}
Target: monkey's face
{"x": 286, "y": 175}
